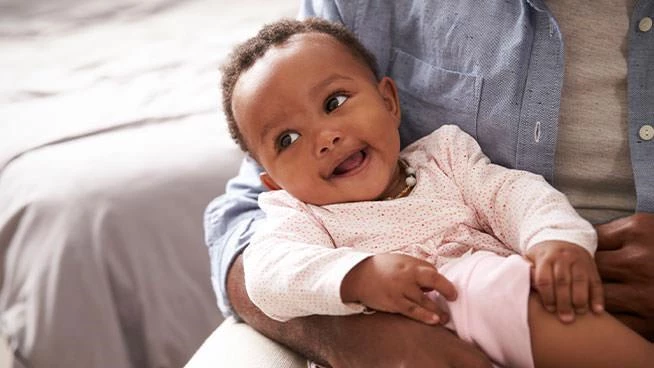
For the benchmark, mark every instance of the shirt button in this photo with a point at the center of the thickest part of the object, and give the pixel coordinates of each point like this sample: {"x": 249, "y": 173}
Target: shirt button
{"x": 645, "y": 24}
{"x": 646, "y": 132}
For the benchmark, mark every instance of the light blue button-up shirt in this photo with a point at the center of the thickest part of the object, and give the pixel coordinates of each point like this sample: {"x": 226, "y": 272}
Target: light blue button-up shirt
{"x": 495, "y": 68}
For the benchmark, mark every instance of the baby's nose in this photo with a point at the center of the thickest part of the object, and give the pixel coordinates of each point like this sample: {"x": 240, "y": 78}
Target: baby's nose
{"x": 328, "y": 141}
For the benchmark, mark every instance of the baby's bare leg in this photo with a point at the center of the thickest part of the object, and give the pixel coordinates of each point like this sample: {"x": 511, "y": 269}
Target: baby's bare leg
{"x": 593, "y": 341}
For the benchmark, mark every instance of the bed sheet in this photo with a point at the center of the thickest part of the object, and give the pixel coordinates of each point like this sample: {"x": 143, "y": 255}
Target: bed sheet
{"x": 111, "y": 146}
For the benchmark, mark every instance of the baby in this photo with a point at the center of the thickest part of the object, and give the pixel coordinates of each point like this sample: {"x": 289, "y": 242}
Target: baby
{"x": 435, "y": 232}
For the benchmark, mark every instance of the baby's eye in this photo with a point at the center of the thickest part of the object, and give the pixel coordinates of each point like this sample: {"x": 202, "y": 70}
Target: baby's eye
{"x": 334, "y": 102}
{"x": 287, "y": 139}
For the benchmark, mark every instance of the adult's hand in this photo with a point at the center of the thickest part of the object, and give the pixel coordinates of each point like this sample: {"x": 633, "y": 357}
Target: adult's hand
{"x": 625, "y": 260}
{"x": 378, "y": 340}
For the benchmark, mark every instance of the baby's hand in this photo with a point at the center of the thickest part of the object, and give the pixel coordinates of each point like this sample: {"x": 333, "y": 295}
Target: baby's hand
{"x": 397, "y": 283}
{"x": 566, "y": 277}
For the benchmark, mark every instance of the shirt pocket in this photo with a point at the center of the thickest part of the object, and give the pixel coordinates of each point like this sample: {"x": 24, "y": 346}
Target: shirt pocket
{"x": 431, "y": 96}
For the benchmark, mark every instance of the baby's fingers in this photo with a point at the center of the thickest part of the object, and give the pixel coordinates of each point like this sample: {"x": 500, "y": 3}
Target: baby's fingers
{"x": 563, "y": 280}
{"x": 580, "y": 288}
{"x": 543, "y": 282}
{"x": 596, "y": 292}
{"x": 422, "y": 309}
{"x": 430, "y": 279}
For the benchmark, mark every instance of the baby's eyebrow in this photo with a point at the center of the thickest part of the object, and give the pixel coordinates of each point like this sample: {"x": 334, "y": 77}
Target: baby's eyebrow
{"x": 325, "y": 82}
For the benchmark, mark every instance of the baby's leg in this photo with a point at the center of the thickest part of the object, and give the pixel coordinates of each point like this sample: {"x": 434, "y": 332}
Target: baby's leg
{"x": 593, "y": 341}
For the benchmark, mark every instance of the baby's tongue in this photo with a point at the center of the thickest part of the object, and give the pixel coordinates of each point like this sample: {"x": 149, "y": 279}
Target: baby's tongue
{"x": 350, "y": 163}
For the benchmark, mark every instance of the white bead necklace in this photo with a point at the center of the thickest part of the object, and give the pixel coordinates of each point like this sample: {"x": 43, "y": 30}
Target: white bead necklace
{"x": 410, "y": 180}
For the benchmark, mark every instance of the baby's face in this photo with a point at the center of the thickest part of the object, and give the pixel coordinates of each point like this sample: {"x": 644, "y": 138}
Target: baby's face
{"x": 319, "y": 123}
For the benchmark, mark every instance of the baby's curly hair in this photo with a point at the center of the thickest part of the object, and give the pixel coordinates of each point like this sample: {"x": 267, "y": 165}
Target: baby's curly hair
{"x": 246, "y": 54}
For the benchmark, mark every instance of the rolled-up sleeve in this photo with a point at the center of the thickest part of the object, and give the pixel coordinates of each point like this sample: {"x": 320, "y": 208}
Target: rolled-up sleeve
{"x": 229, "y": 222}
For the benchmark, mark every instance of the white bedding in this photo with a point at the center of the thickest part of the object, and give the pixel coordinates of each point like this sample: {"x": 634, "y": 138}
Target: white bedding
{"x": 111, "y": 146}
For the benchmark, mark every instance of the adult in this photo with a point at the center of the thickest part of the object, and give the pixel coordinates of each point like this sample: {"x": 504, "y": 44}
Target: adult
{"x": 496, "y": 69}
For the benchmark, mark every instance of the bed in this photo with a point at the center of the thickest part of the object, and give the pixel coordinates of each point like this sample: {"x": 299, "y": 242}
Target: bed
{"x": 111, "y": 145}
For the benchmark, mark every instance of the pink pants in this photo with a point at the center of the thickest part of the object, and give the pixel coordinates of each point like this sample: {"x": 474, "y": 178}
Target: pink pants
{"x": 491, "y": 308}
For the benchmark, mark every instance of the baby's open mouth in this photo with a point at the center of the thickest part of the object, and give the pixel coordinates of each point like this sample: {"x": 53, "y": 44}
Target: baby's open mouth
{"x": 350, "y": 163}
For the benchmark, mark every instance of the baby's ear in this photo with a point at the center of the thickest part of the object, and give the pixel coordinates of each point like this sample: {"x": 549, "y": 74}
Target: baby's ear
{"x": 268, "y": 182}
{"x": 388, "y": 91}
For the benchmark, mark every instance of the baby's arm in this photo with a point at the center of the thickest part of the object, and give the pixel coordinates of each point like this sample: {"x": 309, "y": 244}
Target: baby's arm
{"x": 397, "y": 283}
{"x": 531, "y": 218}
{"x": 293, "y": 269}
{"x": 291, "y": 266}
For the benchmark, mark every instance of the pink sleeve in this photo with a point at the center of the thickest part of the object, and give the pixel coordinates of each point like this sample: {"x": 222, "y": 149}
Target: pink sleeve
{"x": 518, "y": 207}
{"x": 291, "y": 266}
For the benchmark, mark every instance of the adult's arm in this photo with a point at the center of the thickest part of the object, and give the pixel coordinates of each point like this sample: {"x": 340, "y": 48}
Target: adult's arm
{"x": 625, "y": 260}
